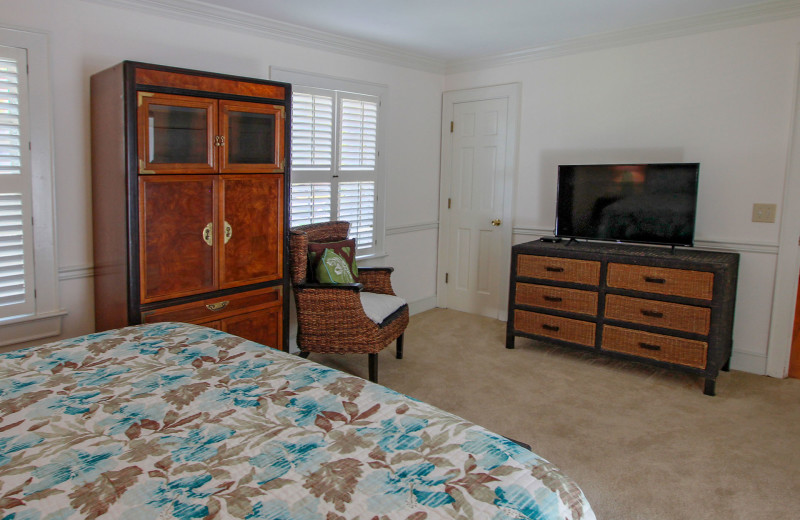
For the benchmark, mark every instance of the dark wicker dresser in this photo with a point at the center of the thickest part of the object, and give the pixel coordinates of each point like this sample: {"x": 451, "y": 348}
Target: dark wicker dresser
{"x": 671, "y": 308}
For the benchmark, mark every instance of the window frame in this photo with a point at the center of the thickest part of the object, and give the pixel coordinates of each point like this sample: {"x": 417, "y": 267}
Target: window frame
{"x": 45, "y": 320}
{"x": 305, "y": 82}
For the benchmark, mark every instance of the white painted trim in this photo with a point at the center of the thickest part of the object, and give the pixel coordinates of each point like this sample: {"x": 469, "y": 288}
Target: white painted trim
{"x": 730, "y": 18}
{"x": 48, "y": 311}
{"x": 397, "y": 230}
{"x": 30, "y": 328}
{"x": 75, "y": 272}
{"x": 422, "y": 305}
{"x": 748, "y": 362}
{"x": 512, "y": 92}
{"x": 711, "y": 244}
{"x": 784, "y": 299}
{"x": 209, "y": 14}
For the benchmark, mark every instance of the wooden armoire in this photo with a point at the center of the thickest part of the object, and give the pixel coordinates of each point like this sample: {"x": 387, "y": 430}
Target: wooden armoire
{"x": 190, "y": 185}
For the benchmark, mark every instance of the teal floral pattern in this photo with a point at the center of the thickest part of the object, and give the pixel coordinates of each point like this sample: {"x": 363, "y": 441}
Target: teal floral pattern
{"x": 172, "y": 420}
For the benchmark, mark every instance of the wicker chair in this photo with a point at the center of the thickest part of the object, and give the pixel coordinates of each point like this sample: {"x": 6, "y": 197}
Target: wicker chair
{"x": 330, "y": 317}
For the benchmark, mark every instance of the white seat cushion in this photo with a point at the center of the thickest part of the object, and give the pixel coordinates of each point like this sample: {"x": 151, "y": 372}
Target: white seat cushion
{"x": 379, "y": 306}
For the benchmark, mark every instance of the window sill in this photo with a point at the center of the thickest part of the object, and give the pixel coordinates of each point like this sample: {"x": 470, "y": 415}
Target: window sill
{"x": 371, "y": 256}
{"x": 30, "y": 328}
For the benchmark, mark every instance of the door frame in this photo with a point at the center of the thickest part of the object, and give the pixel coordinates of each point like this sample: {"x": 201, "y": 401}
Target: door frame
{"x": 512, "y": 92}
{"x": 786, "y": 272}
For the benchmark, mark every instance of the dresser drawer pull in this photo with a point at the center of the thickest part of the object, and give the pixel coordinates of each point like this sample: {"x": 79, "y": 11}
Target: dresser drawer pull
{"x": 217, "y": 306}
{"x": 650, "y": 279}
{"x": 553, "y": 299}
{"x": 649, "y": 346}
{"x": 554, "y": 269}
{"x": 552, "y": 328}
{"x": 652, "y": 314}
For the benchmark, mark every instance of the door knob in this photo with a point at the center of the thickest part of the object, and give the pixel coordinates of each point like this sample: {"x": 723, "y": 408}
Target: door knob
{"x": 497, "y": 222}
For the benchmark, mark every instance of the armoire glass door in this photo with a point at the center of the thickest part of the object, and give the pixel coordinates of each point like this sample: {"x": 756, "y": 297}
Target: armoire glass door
{"x": 176, "y": 134}
{"x": 252, "y": 139}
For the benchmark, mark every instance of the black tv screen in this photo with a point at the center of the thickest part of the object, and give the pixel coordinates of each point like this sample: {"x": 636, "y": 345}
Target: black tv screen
{"x": 647, "y": 203}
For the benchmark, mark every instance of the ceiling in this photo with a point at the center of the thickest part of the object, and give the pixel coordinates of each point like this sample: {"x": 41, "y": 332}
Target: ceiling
{"x": 453, "y": 30}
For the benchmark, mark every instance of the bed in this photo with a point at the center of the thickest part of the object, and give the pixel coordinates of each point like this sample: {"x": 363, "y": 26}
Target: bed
{"x": 171, "y": 420}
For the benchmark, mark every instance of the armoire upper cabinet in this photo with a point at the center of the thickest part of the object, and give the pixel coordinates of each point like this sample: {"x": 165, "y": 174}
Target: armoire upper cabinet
{"x": 181, "y": 134}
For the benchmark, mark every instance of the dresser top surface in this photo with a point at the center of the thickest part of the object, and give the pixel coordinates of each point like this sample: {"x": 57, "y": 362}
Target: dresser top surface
{"x": 628, "y": 252}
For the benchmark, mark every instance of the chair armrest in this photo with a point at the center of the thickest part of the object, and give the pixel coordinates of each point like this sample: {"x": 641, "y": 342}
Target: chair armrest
{"x": 357, "y": 287}
{"x": 376, "y": 279}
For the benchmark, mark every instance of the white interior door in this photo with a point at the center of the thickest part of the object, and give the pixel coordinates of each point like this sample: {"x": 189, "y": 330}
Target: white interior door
{"x": 477, "y": 233}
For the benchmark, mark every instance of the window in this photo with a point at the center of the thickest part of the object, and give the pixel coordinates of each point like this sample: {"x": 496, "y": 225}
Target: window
{"x": 336, "y": 167}
{"x": 16, "y": 228}
{"x": 28, "y": 281}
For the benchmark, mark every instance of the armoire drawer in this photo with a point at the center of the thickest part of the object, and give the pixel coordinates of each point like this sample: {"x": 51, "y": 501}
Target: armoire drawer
{"x": 560, "y": 298}
{"x": 670, "y": 349}
{"x": 217, "y": 308}
{"x": 565, "y": 329}
{"x": 560, "y": 269}
{"x": 687, "y": 318}
{"x": 661, "y": 280}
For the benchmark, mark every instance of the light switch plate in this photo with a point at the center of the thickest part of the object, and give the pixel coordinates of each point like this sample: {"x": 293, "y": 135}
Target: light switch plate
{"x": 764, "y": 212}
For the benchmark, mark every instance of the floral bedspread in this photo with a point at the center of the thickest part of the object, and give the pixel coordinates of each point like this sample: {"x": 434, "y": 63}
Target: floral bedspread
{"x": 180, "y": 421}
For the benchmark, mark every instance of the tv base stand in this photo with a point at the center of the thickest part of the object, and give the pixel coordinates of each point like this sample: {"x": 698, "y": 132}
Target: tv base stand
{"x": 665, "y": 307}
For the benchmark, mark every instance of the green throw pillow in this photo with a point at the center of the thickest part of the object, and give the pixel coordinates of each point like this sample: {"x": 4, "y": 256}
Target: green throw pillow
{"x": 344, "y": 248}
{"x": 332, "y": 268}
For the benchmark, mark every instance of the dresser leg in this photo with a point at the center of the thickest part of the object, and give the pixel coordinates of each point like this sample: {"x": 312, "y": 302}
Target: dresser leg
{"x": 710, "y": 387}
{"x": 727, "y": 366}
{"x": 509, "y": 341}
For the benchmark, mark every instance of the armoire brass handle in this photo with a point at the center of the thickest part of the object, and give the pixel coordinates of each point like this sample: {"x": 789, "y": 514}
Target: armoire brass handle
{"x": 208, "y": 234}
{"x": 217, "y": 306}
{"x": 228, "y": 232}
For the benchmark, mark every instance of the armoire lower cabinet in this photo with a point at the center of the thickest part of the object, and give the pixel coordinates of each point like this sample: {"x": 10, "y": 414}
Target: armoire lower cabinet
{"x": 190, "y": 188}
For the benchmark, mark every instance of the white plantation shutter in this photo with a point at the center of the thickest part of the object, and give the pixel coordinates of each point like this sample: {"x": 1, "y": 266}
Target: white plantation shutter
{"x": 358, "y": 149}
{"x": 312, "y": 130}
{"x": 16, "y": 228}
{"x": 335, "y": 161}
{"x": 311, "y": 203}
{"x": 357, "y": 206}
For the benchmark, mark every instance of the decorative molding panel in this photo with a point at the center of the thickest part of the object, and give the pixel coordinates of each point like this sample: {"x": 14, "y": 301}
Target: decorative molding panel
{"x": 396, "y": 230}
{"x": 730, "y": 18}
{"x": 75, "y": 272}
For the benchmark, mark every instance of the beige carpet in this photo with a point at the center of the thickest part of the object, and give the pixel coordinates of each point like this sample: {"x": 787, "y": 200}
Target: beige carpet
{"x": 643, "y": 443}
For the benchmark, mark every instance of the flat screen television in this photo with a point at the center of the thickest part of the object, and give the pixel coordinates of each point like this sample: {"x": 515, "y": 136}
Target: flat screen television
{"x": 645, "y": 203}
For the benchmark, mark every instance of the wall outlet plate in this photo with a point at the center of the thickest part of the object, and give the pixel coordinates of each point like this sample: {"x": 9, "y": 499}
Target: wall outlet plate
{"x": 764, "y": 212}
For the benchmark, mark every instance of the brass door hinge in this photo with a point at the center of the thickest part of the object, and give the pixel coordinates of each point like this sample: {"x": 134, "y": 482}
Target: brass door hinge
{"x": 449, "y": 201}
{"x": 451, "y": 127}
{"x": 142, "y": 95}
{"x": 446, "y": 277}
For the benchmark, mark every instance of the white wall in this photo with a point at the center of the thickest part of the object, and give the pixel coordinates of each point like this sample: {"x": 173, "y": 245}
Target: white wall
{"x": 86, "y": 37}
{"x": 723, "y": 99}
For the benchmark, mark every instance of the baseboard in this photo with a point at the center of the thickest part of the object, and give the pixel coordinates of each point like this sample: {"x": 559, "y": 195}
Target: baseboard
{"x": 748, "y": 362}
{"x": 423, "y": 305}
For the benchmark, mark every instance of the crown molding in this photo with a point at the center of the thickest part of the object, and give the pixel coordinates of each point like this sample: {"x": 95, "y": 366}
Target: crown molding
{"x": 203, "y": 12}
{"x": 730, "y": 18}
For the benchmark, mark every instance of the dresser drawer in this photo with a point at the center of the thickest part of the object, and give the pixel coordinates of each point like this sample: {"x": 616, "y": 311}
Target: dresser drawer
{"x": 570, "y": 300}
{"x": 217, "y": 308}
{"x": 565, "y": 329}
{"x": 661, "y": 280}
{"x": 680, "y": 351}
{"x": 561, "y": 269}
{"x": 687, "y": 318}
